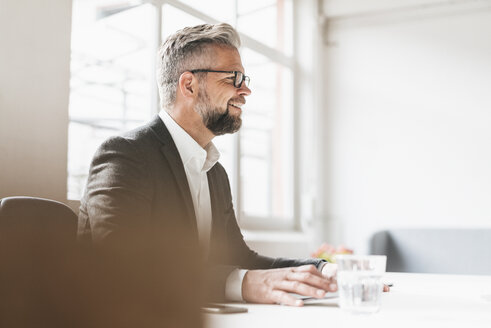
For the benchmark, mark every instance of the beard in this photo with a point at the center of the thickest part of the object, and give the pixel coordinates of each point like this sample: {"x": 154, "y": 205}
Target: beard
{"x": 217, "y": 121}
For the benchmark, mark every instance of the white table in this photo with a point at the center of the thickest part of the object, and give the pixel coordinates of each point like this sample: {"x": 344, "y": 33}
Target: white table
{"x": 416, "y": 300}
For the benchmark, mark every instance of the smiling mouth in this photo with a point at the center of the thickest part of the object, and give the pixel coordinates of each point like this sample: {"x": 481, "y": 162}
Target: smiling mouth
{"x": 236, "y": 105}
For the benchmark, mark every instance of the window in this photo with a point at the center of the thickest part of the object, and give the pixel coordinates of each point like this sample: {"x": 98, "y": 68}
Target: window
{"x": 109, "y": 87}
{"x": 113, "y": 89}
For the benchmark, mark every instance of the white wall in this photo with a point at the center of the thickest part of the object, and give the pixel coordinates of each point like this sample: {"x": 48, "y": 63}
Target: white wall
{"x": 34, "y": 88}
{"x": 407, "y": 119}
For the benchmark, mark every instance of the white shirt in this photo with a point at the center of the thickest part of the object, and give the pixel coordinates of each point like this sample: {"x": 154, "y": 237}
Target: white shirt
{"x": 197, "y": 162}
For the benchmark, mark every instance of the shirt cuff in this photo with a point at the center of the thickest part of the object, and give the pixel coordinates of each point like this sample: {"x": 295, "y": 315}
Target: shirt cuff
{"x": 329, "y": 268}
{"x": 321, "y": 266}
{"x": 233, "y": 285}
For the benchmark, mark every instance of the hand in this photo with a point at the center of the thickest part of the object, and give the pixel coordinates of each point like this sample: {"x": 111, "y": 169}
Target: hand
{"x": 330, "y": 270}
{"x": 272, "y": 286}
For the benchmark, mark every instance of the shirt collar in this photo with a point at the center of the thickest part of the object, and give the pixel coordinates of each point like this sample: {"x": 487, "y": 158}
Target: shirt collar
{"x": 190, "y": 151}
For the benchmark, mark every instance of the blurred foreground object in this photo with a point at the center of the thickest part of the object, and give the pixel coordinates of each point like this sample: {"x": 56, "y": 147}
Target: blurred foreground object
{"x": 37, "y": 244}
{"x": 47, "y": 279}
{"x": 328, "y": 252}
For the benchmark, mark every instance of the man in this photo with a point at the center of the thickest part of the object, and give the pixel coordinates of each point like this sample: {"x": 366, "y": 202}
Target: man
{"x": 164, "y": 178}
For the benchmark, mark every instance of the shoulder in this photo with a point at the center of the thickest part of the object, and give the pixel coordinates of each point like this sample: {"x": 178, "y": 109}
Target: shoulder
{"x": 219, "y": 176}
{"x": 136, "y": 141}
{"x": 219, "y": 171}
{"x": 117, "y": 146}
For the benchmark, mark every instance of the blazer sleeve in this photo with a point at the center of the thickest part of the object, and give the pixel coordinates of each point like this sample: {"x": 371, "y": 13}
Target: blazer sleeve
{"x": 241, "y": 255}
{"x": 133, "y": 266}
{"x": 117, "y": 200}
{"x": 230, "y": 251}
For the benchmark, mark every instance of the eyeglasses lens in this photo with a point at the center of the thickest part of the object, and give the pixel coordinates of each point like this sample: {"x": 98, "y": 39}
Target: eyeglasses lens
{"x": 240, "y": 78}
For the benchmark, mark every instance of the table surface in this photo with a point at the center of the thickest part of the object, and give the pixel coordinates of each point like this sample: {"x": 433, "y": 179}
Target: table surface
{"x": 415, "y": 300}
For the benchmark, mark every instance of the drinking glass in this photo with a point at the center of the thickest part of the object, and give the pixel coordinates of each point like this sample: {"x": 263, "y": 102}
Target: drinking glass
{"x": 360, "y": 282}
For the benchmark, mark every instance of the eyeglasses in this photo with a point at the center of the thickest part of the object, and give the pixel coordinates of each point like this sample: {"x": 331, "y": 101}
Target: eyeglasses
{"x": 238, "y": 77}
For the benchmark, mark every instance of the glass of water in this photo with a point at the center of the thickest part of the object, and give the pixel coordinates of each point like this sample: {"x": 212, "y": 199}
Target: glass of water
{"x": 360, "y": 282}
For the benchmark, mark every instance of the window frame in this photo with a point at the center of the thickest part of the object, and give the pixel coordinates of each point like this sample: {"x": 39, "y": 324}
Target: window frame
{"x": 247, "y": 222}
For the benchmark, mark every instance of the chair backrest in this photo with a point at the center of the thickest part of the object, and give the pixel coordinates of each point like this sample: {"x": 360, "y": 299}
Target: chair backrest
{"x": 454, "y": 251}
{"x": 37, "y": 261}
{"x": 27, "y": 215}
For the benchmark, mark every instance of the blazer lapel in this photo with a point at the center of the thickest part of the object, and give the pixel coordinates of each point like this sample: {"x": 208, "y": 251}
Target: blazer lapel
{"x": 216, "y": 239}
{"x": 170, "y": 152}
{"x": 211, "y": 188}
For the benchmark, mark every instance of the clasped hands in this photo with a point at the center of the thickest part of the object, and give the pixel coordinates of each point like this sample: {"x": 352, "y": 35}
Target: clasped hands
{"x": 275, "y": 285}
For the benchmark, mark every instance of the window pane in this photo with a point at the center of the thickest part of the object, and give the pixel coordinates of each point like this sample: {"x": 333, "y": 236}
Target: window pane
{"x": 112, "y": 46}
{"x": 279, "y": 21}
{"x": 113, "y": 54}
{"x": 174, "y": 19}
{"x": 221, "y": 10}
{"x": 267, "y": 140}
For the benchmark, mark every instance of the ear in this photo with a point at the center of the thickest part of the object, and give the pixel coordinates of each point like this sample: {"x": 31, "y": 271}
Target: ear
{"x": 188, "y": 85}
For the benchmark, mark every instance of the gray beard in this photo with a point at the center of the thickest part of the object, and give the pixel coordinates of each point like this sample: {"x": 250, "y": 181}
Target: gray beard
{"x": 218, "y": 123}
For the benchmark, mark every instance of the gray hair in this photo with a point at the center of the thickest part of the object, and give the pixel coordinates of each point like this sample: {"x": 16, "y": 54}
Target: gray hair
{"x": 186, "y": 50}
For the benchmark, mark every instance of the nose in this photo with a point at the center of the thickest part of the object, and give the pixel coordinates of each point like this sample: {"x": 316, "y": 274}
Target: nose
{"x": 244, "y": 90}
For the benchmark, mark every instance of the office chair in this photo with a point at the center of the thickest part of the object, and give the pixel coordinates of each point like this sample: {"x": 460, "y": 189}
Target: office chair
{"x": 29, "y": 217}
{"x": 37, "y": 246}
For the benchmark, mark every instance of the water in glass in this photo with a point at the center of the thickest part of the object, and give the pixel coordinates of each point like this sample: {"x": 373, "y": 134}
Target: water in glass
{"x": 360, "y": 291}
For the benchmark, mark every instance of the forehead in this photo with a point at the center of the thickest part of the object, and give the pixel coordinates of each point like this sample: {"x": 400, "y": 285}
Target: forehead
{"x": 227, "y": 59}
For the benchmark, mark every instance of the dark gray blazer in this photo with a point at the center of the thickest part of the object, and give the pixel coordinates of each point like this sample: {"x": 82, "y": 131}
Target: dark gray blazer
{"x": 137, "y": 181}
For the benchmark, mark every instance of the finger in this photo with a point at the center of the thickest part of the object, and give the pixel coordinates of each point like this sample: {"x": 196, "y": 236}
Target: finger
{"x": 333, "y": 284}
{"x": 281, "y": 297}
{"x": 386, "y": 288}
{"x": 299, "y": 288}
{"x": 333, "y": 287}
{"x": 308, "y": 268}
{"x": 308, "y": 278}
